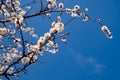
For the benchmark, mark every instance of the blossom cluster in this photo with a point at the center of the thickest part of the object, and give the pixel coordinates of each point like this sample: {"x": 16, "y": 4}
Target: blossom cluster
{"x": 106, "y": 31}
{"x": 44, "y": 43}
{"x": 57, "y": 27}
{"x": 7, "y": 58}
{"x": 13, "y": 12}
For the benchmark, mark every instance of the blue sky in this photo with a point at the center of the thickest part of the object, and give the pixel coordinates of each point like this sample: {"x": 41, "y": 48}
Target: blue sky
{"x": 88, "y": 54}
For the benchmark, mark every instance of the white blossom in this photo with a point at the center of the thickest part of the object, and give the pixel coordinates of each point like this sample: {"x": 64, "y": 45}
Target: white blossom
{"x": 64, "y": 39}
{"x": 106, "y": 31}
{"x": 53, "y": 30}
{"x": 86, "y": 9}
{"x": 53, "y": 51}
{"x": 28, "y": 7}
{"x": 50, "y": 43}
{"x": 8, "y": 58}
{"x": 22, "y": 12}
{"x": 85, "y": 18}
{"x": 2, "y": 6}
{"x": 18, "y": 8}
{"x": 20, "y": 18}
{"x": 74, "y": 15}
{"x": 76, "y": 7}
{"x": 35, "y": 57}
{"x": 34, "y": 48}
{"x": 12, "y": 31}
{"x": 8, "y": 3}
{"x": 58, "y": 19}
{"x": 61, "y": 5}
{"x": 68, "y": 10}
{"x": 47, "y": 35}
{"x": 54, "y": 5}
{"x": 53, "y": 24}
{"x": 17, "y": 40}
{"x": 48, "y": 14}
{"x": 3, "y": 31}
{"x": 41, "y": 51}
{"x": 41, "y": 41}
{"x": 6, "y": 14}
{"x": 49, "y": 6}
{"x": 25, "y": 60}
{"x": 16, "y": 3}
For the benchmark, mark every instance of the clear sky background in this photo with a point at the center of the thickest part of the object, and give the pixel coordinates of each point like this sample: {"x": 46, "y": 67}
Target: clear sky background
{"x": 88, "y": 54}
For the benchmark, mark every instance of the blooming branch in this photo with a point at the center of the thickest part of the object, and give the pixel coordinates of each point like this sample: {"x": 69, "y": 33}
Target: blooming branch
{"x": 19, "y": 53}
